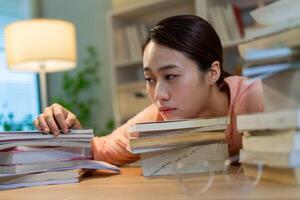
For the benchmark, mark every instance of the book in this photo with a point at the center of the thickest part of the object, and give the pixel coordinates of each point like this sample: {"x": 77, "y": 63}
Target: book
{"x": 285, "y": 37}
{"x": 230, "y": 13}
{"x": 38, "y": 132}
{"x": 274, "y": 159}
{"x": 178, "y": 131}
{"x": 218, "y": 22}
{"x": 264, "y": 71}
{"x": 27, "y": 155}
{"x": 264, "y": 141}
{"x": 267, "y": 56}
{"x": 192, "y": 159}
{"x": 40, "y": 183}
{"x": 183, "y": 138}
{"x": 179, "y": 124}
{"x": 57, "y": 165}
{"x": 281, "y": 90}
{"x": 289, "y": 176}
{"x": 8, "y": 179}
{"x": 276, "y": 120}
{"x": 30, "y": 135}
{"x": 45, "y": 143}
{"x": 272, "y": 14}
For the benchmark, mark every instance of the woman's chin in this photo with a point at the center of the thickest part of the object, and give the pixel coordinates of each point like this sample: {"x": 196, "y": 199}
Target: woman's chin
{"x": 172, "y": 117}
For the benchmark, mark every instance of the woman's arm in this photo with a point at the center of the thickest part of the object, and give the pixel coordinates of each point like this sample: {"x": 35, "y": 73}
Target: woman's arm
{"x": 113, "y": 147}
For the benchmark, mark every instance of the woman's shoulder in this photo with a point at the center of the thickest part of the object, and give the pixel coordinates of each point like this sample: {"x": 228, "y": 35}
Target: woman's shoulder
{"x": 246, "y": 96}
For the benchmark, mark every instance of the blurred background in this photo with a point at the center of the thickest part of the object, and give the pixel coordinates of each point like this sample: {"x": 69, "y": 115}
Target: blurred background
{"x": 106, "y": 87}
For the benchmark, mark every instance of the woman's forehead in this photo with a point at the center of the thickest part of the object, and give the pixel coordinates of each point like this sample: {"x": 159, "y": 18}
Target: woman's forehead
{"x": 157, "y": 57}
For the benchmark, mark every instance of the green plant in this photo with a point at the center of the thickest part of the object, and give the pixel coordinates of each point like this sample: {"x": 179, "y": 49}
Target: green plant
{"x": 8, "y": 122}
{"x": 75, "y": 87}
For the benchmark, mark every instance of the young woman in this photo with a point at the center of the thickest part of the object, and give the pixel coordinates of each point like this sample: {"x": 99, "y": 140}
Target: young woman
{"x": 182, "y": 62}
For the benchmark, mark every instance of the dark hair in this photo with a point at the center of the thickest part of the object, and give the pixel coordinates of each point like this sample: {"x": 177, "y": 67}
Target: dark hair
{"x": 191, "y": 35}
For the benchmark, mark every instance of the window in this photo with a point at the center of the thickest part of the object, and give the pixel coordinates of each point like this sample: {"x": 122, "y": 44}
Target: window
{"x": 19, "y": 97}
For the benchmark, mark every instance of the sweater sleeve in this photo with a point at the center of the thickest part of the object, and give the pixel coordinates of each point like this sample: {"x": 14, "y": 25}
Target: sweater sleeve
{"x": 246, "y": 98}
{"x": 113, "y": 147}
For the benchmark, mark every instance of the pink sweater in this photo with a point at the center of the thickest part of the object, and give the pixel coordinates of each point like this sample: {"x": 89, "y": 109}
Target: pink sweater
{"x": 244, "y": 98}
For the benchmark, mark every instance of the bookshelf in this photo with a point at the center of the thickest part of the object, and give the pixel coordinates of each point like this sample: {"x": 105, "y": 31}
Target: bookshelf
{"x": 128, "y": 25}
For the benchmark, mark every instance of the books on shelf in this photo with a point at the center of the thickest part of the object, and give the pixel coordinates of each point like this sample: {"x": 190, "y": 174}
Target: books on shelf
{"x": 274, "y": 17}
{"x": 227, "y": 22}
{"x": 284, "y": 38}
{"x": 128, "y": 42}
{"x": 275, "y": 60}
{"x": 256, "y": 57}
{"x": 195, "y": 140}
{"x": 278, "y": 12}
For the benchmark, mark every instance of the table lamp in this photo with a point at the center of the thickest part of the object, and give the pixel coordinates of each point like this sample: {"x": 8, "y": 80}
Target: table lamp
{"x": 40, "y": 45}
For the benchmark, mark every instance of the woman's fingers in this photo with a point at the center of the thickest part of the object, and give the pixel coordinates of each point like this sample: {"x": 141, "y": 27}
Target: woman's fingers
{"x": 42, "y": 124}
{"x": 49, "y": 118}
{"x": 56, "y": 118}
{"x": 72, "y": 121}
{"x": 60, "y": 117}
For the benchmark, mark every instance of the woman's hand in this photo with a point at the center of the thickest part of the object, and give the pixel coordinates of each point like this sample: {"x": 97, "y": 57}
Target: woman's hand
{"x": 55, "y": 119}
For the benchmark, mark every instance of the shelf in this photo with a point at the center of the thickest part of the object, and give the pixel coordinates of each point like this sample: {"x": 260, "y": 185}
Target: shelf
{"x": 244, "y": 4}
{"x": 233, "y": 44}
{"x": 129, "y": 63}
{"x": 145, "y": 7}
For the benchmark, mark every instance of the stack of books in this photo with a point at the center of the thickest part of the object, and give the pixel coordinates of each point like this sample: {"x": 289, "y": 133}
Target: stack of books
{"x": 271, "y": 139}
{"x": 226, "y": 18}
{"x": 33, "y": 158}
{"x": 179, "y": 147}
{"x": 275, "y": 59}
{"x": 271, "y": 145}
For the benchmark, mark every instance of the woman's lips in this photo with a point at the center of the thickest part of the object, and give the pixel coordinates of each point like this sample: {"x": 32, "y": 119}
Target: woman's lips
{"x": 166, "y": 111}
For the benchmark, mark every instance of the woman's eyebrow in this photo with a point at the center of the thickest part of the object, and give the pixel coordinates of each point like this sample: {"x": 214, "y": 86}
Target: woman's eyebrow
{"x": 162, "y": 68}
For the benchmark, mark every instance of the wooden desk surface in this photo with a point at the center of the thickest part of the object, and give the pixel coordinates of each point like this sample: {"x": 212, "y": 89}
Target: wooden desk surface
{"x": 130, "y": 184}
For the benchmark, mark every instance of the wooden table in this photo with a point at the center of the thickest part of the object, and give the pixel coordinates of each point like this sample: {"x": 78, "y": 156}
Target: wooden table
{"x": 130, "y": 184}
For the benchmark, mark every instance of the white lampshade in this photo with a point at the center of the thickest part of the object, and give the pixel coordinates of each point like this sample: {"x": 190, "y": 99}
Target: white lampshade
{"x": 40, "y": 45}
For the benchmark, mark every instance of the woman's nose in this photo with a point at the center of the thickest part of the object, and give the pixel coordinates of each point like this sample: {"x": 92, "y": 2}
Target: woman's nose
{"x": 161, "y": 92}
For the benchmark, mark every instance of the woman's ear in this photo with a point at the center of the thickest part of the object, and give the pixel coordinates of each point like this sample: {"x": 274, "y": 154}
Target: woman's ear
{"x": 214, "y": 73}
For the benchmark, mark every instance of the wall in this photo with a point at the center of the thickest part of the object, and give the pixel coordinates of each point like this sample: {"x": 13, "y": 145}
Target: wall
{"x": 89, "y": 17}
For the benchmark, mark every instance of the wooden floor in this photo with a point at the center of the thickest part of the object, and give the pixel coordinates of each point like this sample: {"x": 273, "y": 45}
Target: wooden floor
{"x": 130, "y": 184}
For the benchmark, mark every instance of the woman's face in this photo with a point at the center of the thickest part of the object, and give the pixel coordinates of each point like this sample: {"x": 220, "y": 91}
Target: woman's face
{"x": 174, "y": 83}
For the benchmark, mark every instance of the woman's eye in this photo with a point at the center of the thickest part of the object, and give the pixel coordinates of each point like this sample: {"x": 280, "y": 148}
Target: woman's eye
{"x": 149, "y": 80}
{"x": 170, "y": 76}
